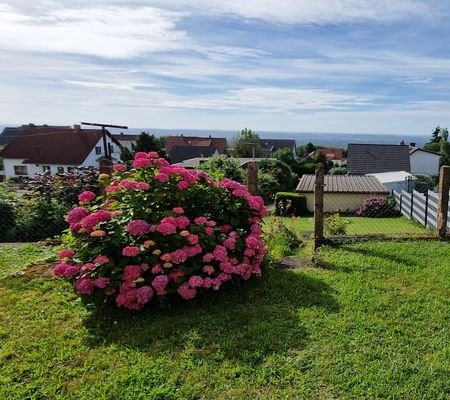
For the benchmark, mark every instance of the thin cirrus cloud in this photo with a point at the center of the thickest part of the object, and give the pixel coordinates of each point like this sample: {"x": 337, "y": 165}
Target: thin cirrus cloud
{"x": 109, "y": 32}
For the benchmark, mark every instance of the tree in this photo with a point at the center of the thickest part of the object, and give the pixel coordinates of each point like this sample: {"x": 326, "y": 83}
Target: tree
{"x": 146, "y": 143}
{"x": 436, "y": 139}
{"x": 223, "y": 166}
{"x": 445, "y": 148}
{"x": 280, "y": 171}
{"x": 247, "y": 144}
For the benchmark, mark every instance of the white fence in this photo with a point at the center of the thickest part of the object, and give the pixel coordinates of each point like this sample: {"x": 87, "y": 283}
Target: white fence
{"x": 419, "y": 207}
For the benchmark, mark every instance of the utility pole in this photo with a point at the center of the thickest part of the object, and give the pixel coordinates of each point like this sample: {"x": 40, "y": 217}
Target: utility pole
{"x": 106, "y": 151}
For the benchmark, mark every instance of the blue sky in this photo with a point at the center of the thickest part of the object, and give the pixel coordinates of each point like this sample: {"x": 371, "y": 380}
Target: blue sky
{"x": 363, "y": 66}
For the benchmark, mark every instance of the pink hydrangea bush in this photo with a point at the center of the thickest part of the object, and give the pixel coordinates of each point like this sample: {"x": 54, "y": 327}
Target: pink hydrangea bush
{"x": 161, "y": 230}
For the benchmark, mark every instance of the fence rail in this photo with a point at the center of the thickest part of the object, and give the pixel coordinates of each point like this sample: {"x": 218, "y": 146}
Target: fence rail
{"x": 420, "y": 207}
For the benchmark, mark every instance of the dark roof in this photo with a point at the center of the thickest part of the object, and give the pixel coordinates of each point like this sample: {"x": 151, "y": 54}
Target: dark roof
{"x": 196, "y": 141}
{"x": 343, "y": 184}
{"x": 276, "y": 144}
{"x": 182, "y": 153}
{"x": 412, "y": 150}
{"x": 124, "y": 136}
{"x": 50, "y": 145}
{"x": 372, "y": 158}
{"x": 10, "y": 133}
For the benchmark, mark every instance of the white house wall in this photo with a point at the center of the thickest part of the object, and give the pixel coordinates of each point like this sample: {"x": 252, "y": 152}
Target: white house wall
{"x": 424, "y": 163}
{"x": 92, "y": 158}
{"x": 33, "y": 169}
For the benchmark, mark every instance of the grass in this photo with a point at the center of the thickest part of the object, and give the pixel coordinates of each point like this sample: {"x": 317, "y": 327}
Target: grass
{"x": 364, "y": 225}
{"x": 370, "y": 321}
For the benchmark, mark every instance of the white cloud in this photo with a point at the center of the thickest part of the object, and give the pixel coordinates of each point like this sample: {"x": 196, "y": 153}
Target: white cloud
{"x": 109, "y": 85}
{"x": 111, "y": 32}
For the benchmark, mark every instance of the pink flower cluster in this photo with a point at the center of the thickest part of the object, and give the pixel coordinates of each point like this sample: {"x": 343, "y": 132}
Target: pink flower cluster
{"x": 144, "y": 239}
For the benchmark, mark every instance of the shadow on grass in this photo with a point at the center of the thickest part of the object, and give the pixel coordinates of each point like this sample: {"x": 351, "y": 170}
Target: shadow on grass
{"x": 245, "y": 324}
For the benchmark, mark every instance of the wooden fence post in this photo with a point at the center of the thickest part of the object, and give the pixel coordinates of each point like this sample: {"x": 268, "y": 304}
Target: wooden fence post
{"x": 442, "y": 214}
{"x": 252, "y": 177}
{"x": 318, "y": 205}
{"x": 105, "y": 167}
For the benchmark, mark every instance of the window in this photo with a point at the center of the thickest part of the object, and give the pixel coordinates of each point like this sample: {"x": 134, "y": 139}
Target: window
{"x": 111, "y": 148}
{"x": 20, "y": 170}
{"x": 60, "y": 170}
{"x": 98, "y": 150}
{"x": 46, "y": 168}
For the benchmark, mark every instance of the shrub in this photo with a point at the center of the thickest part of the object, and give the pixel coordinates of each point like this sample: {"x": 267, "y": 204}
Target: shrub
{"x": 222, "y": 166}
{"x": 7, "y": 218}
{"x": 290, "y": 204}
{"x": 378, "y": 207}
{"x": 336, "y": 225}
{"x": 267, "y": 186}
{"x": 161, "y": 230}
{"x": 280, "y": 238}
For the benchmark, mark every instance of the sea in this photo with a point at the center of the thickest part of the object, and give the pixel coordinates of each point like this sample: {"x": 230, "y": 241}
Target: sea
{"x": 328, "y": 139}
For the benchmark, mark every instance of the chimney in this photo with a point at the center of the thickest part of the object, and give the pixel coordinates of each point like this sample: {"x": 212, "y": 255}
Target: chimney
{"x": 413, "y": 144}
{"x": 76, "y": 128}
{"x": 402, "y": 143}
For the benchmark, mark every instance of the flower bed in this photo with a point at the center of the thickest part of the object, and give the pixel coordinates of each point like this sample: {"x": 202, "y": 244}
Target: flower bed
{"x": 159, "y": 230}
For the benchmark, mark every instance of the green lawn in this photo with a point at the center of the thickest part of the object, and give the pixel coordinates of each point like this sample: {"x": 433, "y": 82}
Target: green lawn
{"x": 364, "y": 225}
{"x": 370, "y": 322}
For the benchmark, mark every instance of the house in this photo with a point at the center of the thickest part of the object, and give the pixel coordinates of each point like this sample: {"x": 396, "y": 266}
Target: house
{"x": 342, "y": 193}
{"x": 268, "y": 146}
{"x": 179, "y": 154}
{"x": 39, "y": 149}
{"x": 423, "y": 162}
{"x": 125, "y": 140}
{"x": 10, "y": 133}
{"x": 398, "y": 180}
{"x": 176, "y": 147}
{"x": 365, "y": 159}
{"x": 336, "y": 156}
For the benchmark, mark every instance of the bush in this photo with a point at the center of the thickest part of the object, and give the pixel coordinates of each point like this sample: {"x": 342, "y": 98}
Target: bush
{"x": 7, "y": 218}
{"x": 290, "y": 204}
{"x": 267, "y": 186}
{"x": 222, "y": 166}
{"x": 281, "y": 239}
{"x": 336, "y": 225}
{"x": 161, "y": 230}
{"x": 378, "y": 207}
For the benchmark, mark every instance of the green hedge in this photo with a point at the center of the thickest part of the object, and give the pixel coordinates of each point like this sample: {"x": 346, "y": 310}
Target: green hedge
{"x": 290, "y": 204}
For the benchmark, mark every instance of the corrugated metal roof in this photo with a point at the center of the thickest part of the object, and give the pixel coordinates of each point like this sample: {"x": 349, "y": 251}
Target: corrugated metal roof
{"x": 343, "y": 184}
{"x": 397, "y": 176}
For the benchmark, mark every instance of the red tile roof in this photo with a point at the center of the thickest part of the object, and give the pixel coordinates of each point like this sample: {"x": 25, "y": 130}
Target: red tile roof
{"x": 218, "y": 143}
{"x": 332, "y": 154}
{"x": 47, "y": 145}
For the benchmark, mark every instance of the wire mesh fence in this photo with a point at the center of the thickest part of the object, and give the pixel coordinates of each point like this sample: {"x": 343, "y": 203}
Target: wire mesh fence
{"x": 35, "y": 209}
{"x": 408, "y": 207}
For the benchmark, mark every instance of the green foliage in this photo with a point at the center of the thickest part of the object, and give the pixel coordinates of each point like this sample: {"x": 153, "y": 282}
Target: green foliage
{"x": 145, "y": 142}
{"x": 280, "y": 171}
{"x": 7, "y": 219}
{"x": 222, "y": 166}
{"x": 445, "y": 148}
{"x": 247, "y": 144}
{"x": 267, "y": 185}
{"x": 336, "y": 225}
{"x": 290, "y": 204}
{"x": 281, "y": 238}
{"x": 338, "y": 171}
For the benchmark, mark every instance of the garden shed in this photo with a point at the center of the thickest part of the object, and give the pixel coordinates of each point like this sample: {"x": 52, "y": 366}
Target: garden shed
{"x": 342, "y": 193}
{"x": 398, "y": 180}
